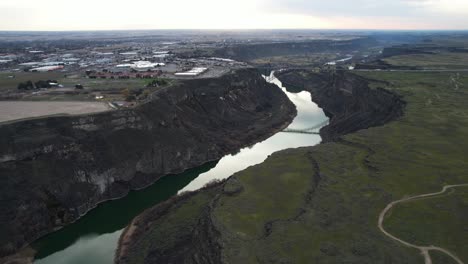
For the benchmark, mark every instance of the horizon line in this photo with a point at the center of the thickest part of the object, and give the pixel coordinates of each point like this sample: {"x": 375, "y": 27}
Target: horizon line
{"x": 227, "y": 29}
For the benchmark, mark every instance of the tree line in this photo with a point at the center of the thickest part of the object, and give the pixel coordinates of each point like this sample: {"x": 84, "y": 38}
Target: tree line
{"x": 29, "y": 85}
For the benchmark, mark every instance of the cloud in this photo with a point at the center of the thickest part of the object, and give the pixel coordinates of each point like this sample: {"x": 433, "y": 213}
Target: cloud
{"x": 154, "y": 14}
{"x": 17, "y": 17}
{"x": 447, "y": 7}
{"x": 348, "y": 8}
{"x": 375, "y": 14}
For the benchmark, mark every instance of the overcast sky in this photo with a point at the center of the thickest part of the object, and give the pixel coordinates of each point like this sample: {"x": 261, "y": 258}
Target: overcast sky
{"x": 234, "y": 14}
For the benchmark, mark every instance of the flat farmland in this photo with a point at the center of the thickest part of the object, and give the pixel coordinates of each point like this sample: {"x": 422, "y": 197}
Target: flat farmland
{"x": 13, "y": 110}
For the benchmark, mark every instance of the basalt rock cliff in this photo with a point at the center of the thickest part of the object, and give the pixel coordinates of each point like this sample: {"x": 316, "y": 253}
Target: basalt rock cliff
{"x": 346, "y": 99}
{"x": 53, "y": 170}
{"x": 255, "y": 214}
{"x": 248, "y": 52}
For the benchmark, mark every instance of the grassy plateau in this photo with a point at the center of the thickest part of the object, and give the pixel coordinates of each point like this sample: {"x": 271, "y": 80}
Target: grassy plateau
{"x": 321, "y": 204}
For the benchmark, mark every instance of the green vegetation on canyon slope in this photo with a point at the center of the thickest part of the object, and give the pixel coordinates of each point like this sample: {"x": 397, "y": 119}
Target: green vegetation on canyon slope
{"x": 321, "y": 204}
{"x": 446, "y": 60}
{"x": 437, "y": 221}
{"x": 419, "y": 153}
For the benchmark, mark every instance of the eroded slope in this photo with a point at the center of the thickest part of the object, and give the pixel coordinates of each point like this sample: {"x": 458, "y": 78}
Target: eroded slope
{"x": 55, "y": 169}
{"x": 321, "y": 204}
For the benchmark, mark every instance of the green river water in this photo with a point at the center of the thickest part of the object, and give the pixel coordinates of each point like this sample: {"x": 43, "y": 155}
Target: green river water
{"x": 93, "y": 238}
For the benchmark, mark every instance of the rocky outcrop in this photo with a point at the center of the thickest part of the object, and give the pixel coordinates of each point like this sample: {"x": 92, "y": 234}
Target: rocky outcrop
{"x": 54, "y": 170}
{"x": 195, "y": 238}
{"x": 248, "y": 52}
{"x": 349, "y": 102}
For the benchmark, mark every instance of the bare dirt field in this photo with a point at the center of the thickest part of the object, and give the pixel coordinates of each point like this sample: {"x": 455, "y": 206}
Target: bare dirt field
{"x": 12, "y": 110}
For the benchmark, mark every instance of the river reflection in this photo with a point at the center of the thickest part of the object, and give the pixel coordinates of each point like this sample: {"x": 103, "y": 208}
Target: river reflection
{"x": 308, "y": 114}
{"x": 72, "y": 243}
{"x": 92, "y": 248}
{"x": 93, "y": 239}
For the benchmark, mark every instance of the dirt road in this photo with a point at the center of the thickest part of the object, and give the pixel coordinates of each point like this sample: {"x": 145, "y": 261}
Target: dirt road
{"x": 424, "y": 249}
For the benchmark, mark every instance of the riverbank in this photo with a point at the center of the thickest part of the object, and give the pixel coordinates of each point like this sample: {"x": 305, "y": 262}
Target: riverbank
{"x": 74, "y": 163}
{"x": 320, "y": 204}
{"x": 331, "y": 93}
{"x": 94, "y": 238}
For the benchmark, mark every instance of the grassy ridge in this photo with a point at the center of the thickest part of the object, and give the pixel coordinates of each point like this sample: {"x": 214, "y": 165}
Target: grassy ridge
{"x": 446, "y": 60}
{"x": 321, "y": 204}
{"x": 437, "y": 221}
{"x": 309, "y": 60}
{"x": 161, "y": 232}
{"x": 360, "y": 174}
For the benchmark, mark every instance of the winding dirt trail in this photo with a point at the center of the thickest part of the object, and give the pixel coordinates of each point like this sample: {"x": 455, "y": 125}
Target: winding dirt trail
{"x": 424, "y": 249}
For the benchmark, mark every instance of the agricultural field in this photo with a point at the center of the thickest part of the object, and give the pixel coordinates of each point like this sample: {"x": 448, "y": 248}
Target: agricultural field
{"x": 68, "y": 81}
{"x": 10, "y": 80}
{"x": 442, "y": 61}
{"x": 110, "y": 89}
{"x": 304, "y": 61}
{"x": 14, "y": 110}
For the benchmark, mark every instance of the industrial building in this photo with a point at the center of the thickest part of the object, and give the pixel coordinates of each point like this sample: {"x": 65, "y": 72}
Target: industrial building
{"x": 193, "y": 72}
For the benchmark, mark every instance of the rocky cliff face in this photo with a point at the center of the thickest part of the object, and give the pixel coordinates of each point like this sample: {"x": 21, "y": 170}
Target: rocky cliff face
{"x": 347, "y": 99}
{"x": 54, "y": 170}
{"x": 351, "y": 104}
{"x": 254, "y": 51}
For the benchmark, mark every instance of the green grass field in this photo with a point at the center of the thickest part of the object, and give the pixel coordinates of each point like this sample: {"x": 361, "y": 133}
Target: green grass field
{"x": 420, "y": 153}
{"x": 431, "y": 61}
{"x": 310, "y": 60}
{"x": 112, "y": 88}
{"x": 440, "y": 221}
{"x": 68, "y": 80}
{"x": 321, "y": 204}
{"x": 161, "y": 231}
{"x": 7, "y": 83}
{"x": 441, "y": 258}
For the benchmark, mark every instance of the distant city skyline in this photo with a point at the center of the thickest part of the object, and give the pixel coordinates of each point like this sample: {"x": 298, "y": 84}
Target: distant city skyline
{"x": 50, "y": 15}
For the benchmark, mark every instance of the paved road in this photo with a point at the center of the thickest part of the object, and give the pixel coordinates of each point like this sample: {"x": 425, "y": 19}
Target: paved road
{"x": 424, "y": 249}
